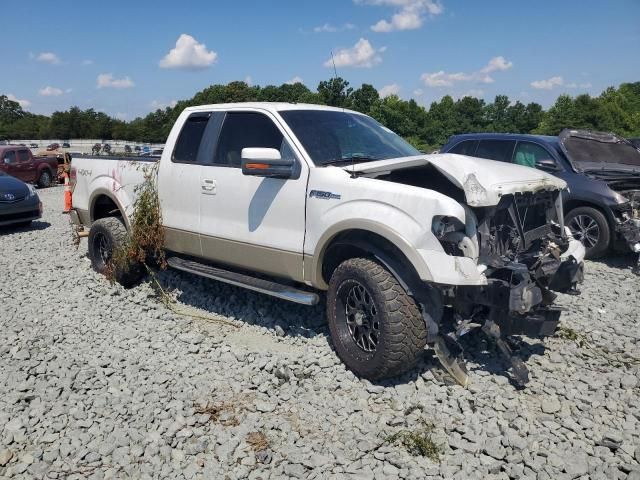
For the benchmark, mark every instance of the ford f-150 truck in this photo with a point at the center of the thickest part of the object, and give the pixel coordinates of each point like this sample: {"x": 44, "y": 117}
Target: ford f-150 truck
{"x": 18, "y": 162}
{"x": 292, "y": 200}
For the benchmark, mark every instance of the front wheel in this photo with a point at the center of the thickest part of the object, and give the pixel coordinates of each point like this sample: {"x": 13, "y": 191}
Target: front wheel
{"x": 376, "y": 327}
{"x": 107, "y": 235}
{"x": 591, "y": 228}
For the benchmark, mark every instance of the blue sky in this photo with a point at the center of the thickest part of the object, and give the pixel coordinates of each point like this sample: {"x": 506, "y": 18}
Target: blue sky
{"x": 128, "y": 57}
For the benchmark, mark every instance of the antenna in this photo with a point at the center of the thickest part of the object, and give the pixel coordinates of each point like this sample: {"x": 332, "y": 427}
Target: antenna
{"x": 335, "y": 77}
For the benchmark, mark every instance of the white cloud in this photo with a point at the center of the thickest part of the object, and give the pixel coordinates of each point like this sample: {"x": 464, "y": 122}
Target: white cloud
{"x": 579, "y": 85}
{"x": 410, "y": 14}
{"x": 49, "y": 57}
{"x": 50, "y": 91}
{"x": 23, "y": 103}
{"x": 329, "y": 28}
{"x": 248, "y": 80}
{"x": 106, "y": 80}
{"x": 418, "y": 92}
{"x": 497, "y": 64}
{"x": 387, "y": 90}
{"x": 548, "y": 84}
{"x": 188, "y": 54}
{"x": 445, "y": 79}
{"x": 162, "y": 105}
{"x": 87, "y": 62}
{"x": 295, "y": 79}
{"x": 361, "y": 55}
{"x": 122, "y": 116}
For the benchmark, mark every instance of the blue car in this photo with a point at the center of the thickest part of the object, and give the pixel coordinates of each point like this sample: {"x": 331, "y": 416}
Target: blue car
{"x": 602, "y": 171}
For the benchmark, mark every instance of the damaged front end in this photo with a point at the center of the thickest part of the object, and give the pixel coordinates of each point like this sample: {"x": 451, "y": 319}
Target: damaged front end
{"x": 527, "y": 254}
{"x": 627, "y": 218}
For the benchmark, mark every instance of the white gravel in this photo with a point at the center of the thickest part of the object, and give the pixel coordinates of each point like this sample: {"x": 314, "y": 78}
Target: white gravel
{"x": 101, "y": 382}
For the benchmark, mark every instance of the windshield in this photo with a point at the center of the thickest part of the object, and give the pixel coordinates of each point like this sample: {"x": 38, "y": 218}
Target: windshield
{"x": 332, "y": 137}
{"x": 593, "y": 151}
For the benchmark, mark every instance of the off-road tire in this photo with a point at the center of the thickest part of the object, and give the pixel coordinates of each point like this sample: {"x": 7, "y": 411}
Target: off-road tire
{"x": 113, "y": 233}
{"x": 44, "y": 180}
{"x": 402, "y": 331}
{"x": 604, "y": 238}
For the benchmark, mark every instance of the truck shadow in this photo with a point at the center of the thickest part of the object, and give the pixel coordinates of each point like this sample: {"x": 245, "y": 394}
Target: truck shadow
{"x": 284, "y": 318}
{"x": 33, "y": 226}
{"x": 623, "y": 261}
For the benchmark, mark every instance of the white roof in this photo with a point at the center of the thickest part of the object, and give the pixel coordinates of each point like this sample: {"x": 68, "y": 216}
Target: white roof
{"x": 269, "y": 106}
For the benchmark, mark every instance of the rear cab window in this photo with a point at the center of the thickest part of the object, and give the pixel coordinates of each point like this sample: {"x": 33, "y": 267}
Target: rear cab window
{"x": 500, "y": 150}
{"x": 23, "y": 156}
{"x": 188, "y": 143}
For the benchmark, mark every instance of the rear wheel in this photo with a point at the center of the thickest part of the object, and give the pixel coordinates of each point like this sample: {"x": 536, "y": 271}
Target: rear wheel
{"x": 376, "y": 327}
{"x": 591, "y": 228}
{"x": 107, "y": 235}
{"x": 45, "y": 179}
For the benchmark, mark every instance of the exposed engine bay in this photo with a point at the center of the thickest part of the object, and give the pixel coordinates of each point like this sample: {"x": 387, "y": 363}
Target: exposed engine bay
{"x": 525, "y": 249}
{"x": 525, "y": 252}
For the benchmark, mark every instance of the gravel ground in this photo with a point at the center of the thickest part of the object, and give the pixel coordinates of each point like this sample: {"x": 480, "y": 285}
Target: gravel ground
{"x": 102, "y": 382}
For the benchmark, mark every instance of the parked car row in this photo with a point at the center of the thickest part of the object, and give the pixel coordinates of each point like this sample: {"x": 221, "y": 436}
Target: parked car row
{"x": 602, "y": 171}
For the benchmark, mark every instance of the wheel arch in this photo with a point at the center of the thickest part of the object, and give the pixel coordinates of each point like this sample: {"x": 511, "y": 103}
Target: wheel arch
{"x": 577, "y": 203}
{"x": 372, "y": 241}
{"x": 104, "y": 204}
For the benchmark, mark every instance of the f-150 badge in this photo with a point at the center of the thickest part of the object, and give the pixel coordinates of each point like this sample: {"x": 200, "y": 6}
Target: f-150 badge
{"x": 324, "y": 195}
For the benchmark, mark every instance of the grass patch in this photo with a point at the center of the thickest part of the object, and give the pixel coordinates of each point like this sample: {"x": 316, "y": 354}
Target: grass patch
{"x": 258, "y": 441}
{"x": 145, "y": 245}
{"x": 418, "y": 442}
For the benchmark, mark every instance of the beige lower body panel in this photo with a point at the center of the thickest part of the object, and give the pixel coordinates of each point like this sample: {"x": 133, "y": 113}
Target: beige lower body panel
{"x": 270, "y": 261}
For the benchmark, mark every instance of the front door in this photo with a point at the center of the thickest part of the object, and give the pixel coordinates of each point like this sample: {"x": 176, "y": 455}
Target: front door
{"x": 252, "y": 222}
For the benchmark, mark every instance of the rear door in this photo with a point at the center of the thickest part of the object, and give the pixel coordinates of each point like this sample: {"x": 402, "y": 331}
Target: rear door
{"x": 251, "y": 222}
{"x": 179, "y": 184}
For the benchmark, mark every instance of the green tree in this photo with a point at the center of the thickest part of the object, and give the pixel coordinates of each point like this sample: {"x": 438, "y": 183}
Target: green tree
{"x": 335, "y": 92}
{"x": 364, "y": 98}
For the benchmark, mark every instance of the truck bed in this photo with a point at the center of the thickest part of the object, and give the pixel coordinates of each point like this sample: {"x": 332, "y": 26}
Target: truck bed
{"x": 113, "y": 176}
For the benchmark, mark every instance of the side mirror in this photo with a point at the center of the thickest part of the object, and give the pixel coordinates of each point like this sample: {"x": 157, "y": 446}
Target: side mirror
{"x": 547, "y": 165}
{"x": 265, "y": 162}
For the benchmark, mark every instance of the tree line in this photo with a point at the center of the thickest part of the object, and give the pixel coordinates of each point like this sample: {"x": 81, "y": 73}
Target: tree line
{"x": 614, "y": 110}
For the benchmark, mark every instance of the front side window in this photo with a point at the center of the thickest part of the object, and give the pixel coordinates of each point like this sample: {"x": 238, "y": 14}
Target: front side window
{"x": 530, "y": 154}
{"x": 331, "y": 137}
{"x": 468, "y": 147}
{"x": 245, "y": 130}
{"x": 10, "y": 157}
{"x": 500, "y": 150}
{"x": 23, "y": 156}
{"x": 188, "y": 144}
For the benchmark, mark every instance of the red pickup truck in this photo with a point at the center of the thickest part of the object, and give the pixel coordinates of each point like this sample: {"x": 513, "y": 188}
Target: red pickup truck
{"x": 19, "y": 162}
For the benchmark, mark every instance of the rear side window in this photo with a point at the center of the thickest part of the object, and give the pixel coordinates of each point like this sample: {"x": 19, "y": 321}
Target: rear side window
{"x": 188, "y": 144}
{"x": 23, "y": 156}
{"x": 501, "y": 150}
{"x": 245, "y": 130}
{"x": 468, "y": 147}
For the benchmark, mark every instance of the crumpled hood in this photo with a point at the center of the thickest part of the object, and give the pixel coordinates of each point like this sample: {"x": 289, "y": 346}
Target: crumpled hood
{"x": 483, "y": 181}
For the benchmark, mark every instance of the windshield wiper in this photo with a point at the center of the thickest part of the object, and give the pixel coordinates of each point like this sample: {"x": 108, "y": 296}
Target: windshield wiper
{"x": 351, "y": 159}
{"x": 610, "y": 172}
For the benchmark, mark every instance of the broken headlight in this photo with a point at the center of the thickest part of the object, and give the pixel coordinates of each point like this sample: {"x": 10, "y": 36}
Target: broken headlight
{"x": 451, "y": 233}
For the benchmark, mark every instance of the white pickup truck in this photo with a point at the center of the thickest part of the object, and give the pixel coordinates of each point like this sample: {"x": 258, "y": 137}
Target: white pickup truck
{"x": 291, "y": 200}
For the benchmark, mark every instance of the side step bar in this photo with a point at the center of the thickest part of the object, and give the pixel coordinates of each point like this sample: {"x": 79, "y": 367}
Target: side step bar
{"x": 245, "y": 281}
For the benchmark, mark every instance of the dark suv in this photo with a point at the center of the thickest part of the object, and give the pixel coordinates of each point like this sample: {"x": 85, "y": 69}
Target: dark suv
{"x": 602, "y": 171}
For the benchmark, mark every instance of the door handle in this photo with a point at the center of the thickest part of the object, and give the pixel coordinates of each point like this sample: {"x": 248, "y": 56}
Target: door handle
{"x": 208, "y": 186}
